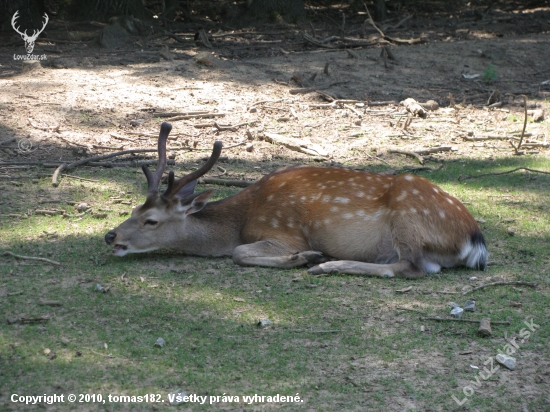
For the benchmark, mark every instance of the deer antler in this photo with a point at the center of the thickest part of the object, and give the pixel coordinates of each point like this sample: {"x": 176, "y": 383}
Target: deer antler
{"x": 153, "y": 180}
{"x": 174, "y": 186}
{"x": 13, "y": 19}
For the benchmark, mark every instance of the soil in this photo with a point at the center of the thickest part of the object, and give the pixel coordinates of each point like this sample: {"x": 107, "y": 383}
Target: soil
{"x": 85, "y": 100}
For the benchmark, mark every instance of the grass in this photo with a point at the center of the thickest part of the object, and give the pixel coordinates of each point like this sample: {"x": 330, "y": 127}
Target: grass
{"x": 339, "y": 342}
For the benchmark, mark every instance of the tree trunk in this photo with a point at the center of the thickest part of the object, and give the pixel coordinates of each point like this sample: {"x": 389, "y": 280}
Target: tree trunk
{"x": 380, "y": 14}
{"x": 103, "y": 10}
{"x": 290, "y": 11}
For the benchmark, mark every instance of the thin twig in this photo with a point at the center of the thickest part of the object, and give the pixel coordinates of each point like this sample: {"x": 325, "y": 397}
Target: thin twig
{"x": 516, "y": 149}
{"x": 515, "y": 283}
{"x": 460, "y": 178}
{"x": 53, "y": 262}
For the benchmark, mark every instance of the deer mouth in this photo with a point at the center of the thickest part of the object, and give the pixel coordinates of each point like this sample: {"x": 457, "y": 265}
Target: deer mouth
{"x": 120, "y": 250}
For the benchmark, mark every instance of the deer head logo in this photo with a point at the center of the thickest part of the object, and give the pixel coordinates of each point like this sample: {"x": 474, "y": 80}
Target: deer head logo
{"x": 29, "y": 40}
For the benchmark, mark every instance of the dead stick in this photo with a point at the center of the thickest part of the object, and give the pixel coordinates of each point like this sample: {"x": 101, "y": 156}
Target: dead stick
{"x": 463, "y": 320}
{"x": 515, "y": 283}
{"x": 226, "y": 182}
{"x": 56, "y": 174}
{"x": 7, "y": 141}
{"x": 516, "y": 149}
{"x": 53, "y": 262}
{"x": 460, "y": 178}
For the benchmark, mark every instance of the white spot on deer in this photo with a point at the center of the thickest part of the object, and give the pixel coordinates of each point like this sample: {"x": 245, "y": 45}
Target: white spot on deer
{"x": 409, "y": 178}
{"x": 340, "y": 183}
{"x": 278, "y": 213}
{"x": 458, "y": 207}
{"x": 436, "y": 190}
{"x": 347, "y": 215}
{"x": 360, "y": 213}
{"x": 334, "y": 209}
{"x": 426, "y": 212}
{"x": 315, "y": 174}
{"x": 327, "y": 221}
{"x": 274, "y": 223}
{"x": 450, "y": 200}
{"x": 386, "y": 185}
{"x": 292, "y": 202}
{"x": 413, "y": 210}
{"x": 351, "y": 179}
{"x": 402, "y": 196}
{"x": 343, "y": 200}
{"x": 360, "y": 194}
{"x": 303, "y": 198}
{"x": 326, "y": 199}
{"x": 261, "y": 218}
{"x": 442, "y": 214}
{"x": 415, "y": 192}
{"x": 402, "y": 212}
{"x": 290, "y": 223}
{"x": 421, "y": 197}
{"x": 270, "y": 197}
{"x": 282, "y": 184}
{"x": 369, "y": 177}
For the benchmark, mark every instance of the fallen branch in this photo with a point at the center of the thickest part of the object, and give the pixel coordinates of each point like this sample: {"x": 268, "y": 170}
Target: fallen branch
{"x": 53, "y": 262}
{"x": 388, "y": 38}
{"x": 225, "y": 182}
{"x": 463, "y": 320}
{"x": 460, "y": 178}
{"x": 12, "y": 321}
{"x": 304, "y": 90}
{"x": 412, "y": 154}
{"x": 194, "y": 116}
{"x": 515, "y": 283}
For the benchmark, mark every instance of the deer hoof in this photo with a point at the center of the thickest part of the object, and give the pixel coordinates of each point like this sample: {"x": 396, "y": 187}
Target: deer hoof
{"x": 313, "y": 257}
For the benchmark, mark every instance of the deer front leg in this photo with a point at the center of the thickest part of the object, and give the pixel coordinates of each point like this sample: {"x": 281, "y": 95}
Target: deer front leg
{"x": 271, "y": 253}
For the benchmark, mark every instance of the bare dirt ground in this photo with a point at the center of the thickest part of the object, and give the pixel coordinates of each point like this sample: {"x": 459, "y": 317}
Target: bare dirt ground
{"x": 86, "y": 101}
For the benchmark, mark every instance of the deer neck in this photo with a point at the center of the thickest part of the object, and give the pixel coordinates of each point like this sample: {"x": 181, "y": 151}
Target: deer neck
{"x": 216, "y": 230}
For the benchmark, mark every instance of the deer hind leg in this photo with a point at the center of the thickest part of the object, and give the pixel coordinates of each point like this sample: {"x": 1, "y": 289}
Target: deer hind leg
{"x": 402, "y": 268}
{"x": 271, "y": 253}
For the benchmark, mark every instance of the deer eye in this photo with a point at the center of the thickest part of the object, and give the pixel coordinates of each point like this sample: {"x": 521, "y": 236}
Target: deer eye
{"x": 151, "y": 222}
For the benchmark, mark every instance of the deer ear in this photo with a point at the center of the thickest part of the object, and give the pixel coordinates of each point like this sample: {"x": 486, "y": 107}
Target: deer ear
{"x": 195, "y": 202}
{"x": 187, "y": 190}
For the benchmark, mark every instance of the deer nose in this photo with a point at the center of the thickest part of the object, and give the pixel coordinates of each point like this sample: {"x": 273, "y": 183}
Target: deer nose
{"x": 110, "y": 237}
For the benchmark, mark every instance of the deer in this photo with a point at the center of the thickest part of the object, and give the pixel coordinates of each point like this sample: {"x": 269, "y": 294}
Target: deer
{"x": 331, "y": 219}
{"x": 29, "y": 40}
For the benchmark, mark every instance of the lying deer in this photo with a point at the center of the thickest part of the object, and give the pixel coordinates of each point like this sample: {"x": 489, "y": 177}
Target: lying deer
{"x": 336, "y": 220}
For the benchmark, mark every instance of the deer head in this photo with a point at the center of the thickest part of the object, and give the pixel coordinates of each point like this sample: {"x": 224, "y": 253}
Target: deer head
{"x": 29, "y": 40}
{"x": 152, "y": 225}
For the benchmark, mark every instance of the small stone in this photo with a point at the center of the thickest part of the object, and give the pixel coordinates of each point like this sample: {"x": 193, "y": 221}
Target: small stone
{"x": 511, "y": 231}
{"x": 470, "y": 306}
{"x": 457, "y": 312}
{"x": 473, "y": 278}
{"x": 99, "y": 288}
{"x": 176, "y": 398}
{"x": 47, "y": 351}
{"x": 506, "y": 361}
{"x": 262, "y": 323}
{"x": 253, "y": 109}
{"x": 160, "y": 342}
{"x": 250, "y": 148}
{"x": 538, "y": 115}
